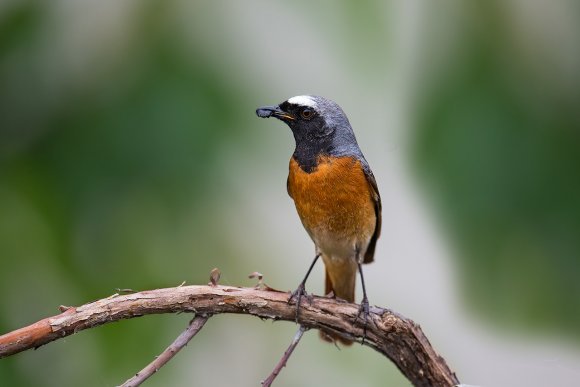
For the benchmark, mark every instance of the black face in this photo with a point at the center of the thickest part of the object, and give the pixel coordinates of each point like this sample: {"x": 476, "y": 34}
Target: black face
{"x": 299, "y": 112}
{"x": 306, "y": 123}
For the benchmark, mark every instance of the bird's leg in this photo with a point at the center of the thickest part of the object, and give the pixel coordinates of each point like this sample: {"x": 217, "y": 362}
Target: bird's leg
{"x": 301, "y": 290}
{"x": 364, "y": 305}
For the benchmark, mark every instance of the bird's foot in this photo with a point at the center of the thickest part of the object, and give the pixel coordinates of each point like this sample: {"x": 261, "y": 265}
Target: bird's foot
{"x": 297, "y": 295}
{"x": 363, "y": 310}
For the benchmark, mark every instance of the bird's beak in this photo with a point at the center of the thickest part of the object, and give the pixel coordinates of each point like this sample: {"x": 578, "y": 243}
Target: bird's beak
{"x": 274, "y": 111}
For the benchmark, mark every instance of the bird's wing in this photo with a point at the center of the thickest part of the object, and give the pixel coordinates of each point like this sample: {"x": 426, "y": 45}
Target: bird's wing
{"x": 376, "y": 197}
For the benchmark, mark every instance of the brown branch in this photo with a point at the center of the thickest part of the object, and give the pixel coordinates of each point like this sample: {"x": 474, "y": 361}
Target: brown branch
{"x": 389, "y": 333}
{"x": 282, "y": 363}
{"x": 195, "y": 326}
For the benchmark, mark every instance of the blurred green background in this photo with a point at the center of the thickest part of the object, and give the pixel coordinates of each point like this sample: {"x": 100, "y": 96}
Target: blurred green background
{"x": 130, "y": 157}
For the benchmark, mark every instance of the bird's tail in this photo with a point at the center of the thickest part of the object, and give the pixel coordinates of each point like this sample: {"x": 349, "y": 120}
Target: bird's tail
{"x": 343, "y": 286}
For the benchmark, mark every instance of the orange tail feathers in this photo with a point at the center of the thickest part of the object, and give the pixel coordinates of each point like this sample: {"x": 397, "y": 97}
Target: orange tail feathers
{"x": 344, "y": 289}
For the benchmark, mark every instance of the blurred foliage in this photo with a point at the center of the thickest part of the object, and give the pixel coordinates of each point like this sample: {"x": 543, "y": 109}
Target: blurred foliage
{"x": 96, "y": 177}
{"x": 497, "y": 145}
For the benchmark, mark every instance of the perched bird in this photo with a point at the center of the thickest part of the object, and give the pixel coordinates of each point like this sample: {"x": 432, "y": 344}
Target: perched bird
{"x": 335, "y": 194}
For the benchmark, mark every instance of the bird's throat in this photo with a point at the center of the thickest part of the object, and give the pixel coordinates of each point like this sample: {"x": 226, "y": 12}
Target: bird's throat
{"x": 308, "y": 156}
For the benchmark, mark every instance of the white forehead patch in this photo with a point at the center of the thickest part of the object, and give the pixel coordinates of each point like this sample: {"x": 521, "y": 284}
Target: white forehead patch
{"x": 303, "y": 100}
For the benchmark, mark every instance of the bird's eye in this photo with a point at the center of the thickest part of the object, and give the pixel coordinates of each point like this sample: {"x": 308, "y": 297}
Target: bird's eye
{"x": 307, "y": 113}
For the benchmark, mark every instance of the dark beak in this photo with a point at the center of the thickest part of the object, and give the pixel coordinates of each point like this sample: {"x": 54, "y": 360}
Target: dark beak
{"x": 274, "y": 111}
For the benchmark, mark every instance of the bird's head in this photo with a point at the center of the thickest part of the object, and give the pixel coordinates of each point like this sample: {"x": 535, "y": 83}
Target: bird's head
{"x": 311, "y": 118}
{"x": 320, "y": 127}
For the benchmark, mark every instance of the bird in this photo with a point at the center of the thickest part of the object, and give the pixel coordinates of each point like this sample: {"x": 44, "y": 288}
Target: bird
{"x": 335, "y": 194}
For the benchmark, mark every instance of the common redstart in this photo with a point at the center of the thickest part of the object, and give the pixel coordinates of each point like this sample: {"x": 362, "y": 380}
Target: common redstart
{"x": 335, "y": 194}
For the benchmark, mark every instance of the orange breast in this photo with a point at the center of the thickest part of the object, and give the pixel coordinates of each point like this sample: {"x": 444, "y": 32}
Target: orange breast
{"x": 334, "y": 201}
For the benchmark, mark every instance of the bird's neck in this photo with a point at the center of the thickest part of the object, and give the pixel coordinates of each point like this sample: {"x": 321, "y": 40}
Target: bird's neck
{"x": 306, "y": 155}
{"x": 309, "y": 150}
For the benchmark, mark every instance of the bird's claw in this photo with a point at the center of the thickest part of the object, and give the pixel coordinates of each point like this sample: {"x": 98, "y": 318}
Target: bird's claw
{"x": 297, "y": 295}
{"x": 363, "y": 310}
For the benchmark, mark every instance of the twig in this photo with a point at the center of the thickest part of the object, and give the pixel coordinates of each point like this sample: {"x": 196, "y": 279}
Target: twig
{"x": 389, "y": 333}
{"x": 195, "y": 326}
{"x": 282, "y": 363}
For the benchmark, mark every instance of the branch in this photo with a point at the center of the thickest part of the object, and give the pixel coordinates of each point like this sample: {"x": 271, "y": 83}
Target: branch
{"x": 194, "y": 326}
{"x": 282, "y": 363}
{"x": 389, "y": 333}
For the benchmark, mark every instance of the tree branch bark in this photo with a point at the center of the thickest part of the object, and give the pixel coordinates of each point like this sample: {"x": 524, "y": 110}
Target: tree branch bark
{"x": 394, "y": 336}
